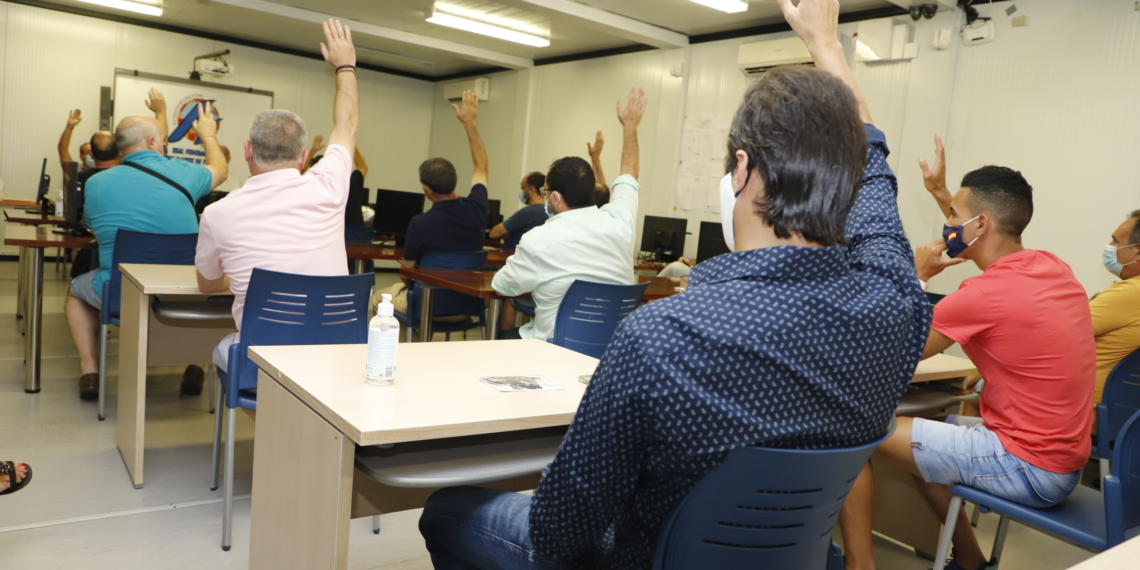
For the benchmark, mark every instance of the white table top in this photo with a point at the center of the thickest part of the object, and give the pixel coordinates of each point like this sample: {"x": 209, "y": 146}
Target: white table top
{"x": 437, "y": 392}
{"x": 942, "y": 367}
{"x": 163, "y": 279}
{"x": 1122, "y": 556}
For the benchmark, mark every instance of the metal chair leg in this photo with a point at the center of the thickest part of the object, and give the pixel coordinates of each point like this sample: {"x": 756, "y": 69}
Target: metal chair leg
{"x": 1105, "y": 468}
{"x": 218, "y": 439}
{"x": 947, "y": 533}
{"x": 975, "y": 516}
{"x": 228, "y": 481}
{"x": 103, "y": 332}
{"x": 447, "y": 337}
{"x": 211, "y": 373}
{"x": 375, "y": 524}
{"x": 483, "y": 332}
{"x": 999, "y": 541}
{"x": 408, "y": 334}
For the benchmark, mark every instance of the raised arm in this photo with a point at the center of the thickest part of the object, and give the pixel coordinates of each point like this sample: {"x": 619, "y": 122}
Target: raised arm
{"x": 157, "y": 104}
{"x": 318, "y": 144}
{"x": 595, "y": 151}
{"x": 934, "y": 177}
{"x": 816, "y": 22}
{"x": 630, "y": 118}
{"x": 340, "y": 54}
{"x": 73, "y": 119}
{"x": 361, "y": 164}
{"x": 467, "y": 115}
{"x": 207, "y": 129}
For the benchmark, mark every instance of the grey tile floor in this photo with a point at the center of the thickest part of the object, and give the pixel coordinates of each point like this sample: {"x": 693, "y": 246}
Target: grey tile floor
{"x": 81, "y": 510}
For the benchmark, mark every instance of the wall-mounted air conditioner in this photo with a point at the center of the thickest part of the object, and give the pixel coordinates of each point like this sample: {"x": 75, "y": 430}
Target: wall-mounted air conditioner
{"x": 757, "y": 57}
{"x": 481, "y": 87}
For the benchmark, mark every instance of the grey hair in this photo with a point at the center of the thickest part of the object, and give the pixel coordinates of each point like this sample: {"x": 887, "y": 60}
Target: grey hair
{"x": 134, "y": 133}
{"x": 278, "y": 137}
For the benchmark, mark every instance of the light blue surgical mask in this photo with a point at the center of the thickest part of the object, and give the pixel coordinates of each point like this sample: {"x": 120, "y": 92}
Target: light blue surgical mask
{"x": 522, "y": 196}
{"x": 1109, "y": 257}
{"x": 550, "y": 213}
{"x": 89, "y": 162}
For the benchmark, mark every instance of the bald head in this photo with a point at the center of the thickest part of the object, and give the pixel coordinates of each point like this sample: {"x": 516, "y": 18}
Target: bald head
{"x": 138, "y": 132}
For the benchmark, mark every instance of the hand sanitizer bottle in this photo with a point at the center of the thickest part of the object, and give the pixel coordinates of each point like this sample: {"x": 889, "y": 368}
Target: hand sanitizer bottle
{"x": 59, "y": 202}
{"x": 383, "y": 337}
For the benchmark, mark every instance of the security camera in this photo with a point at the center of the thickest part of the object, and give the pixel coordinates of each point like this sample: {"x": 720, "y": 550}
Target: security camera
{"x": 929, "y": 10}
{"x": 915, "y": 12}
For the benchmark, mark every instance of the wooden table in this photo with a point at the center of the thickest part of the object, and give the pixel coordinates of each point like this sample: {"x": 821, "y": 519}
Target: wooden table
{"x": 32, "y": 240}
{"x": 1120, "y": 557}
{"x": 362, "y": 251}
{"x": 146, "y": 339}
{"x": 313, "y": 409}
{"x": 478, "y": 284}
{"x": 31, "y": 219}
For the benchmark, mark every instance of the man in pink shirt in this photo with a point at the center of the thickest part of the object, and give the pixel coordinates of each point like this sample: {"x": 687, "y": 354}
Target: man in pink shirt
{"x": 282, "y": 220}
{"x": 1025, "y": 324}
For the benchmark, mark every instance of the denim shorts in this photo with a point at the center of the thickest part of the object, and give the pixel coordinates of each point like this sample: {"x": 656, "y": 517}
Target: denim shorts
{"x": 83, "y": 288}
{"x": 961, "y": 451}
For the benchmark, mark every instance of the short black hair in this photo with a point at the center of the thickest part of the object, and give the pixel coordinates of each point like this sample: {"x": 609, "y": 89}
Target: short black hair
{"x": 801, "y": 129}
{"x": 1004, "y": 192}
{"x": 104, "y": 153}
{"x": 535, "y": 180}
{"x": 574, "y": 179}
{"x": 1134, "y": 236}
{"x": 438, "y": 174}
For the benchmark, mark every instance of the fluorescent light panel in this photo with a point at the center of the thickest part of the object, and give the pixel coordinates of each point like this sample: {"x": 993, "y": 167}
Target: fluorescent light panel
{"x": 730, "y": 6}
{"x": 486, "y": 29}
{"x": 147, "y": 9}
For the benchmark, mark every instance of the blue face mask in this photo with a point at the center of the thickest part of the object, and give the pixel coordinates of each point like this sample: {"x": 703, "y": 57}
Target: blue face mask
{"x": 522, "y": 196}
{"x": 550, "y": 213}
{"x": 953, "y": 235}
{"x": 89, "y": 162}
{"x": 1110, "y": 263}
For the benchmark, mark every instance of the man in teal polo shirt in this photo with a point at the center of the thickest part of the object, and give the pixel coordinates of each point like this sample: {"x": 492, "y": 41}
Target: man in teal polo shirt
{"x": 148, "y": 192}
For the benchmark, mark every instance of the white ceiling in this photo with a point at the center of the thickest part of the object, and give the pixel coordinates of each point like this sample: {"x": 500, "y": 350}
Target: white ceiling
{"x": 569, "y": 35}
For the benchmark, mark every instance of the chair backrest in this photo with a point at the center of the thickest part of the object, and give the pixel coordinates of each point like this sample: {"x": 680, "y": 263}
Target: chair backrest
{"x": 145, "y": 248}
{"x": 1119, "y": 402}
{"x": 934, "y": 298}
{"x": 444, "y": 302}
{"x": 762, "y": 508}
{"x": 284, "y": 309}
{"x": 1122, "y": 488}
{"x": 590, "y": 313}
{"x": 358, "y": 234}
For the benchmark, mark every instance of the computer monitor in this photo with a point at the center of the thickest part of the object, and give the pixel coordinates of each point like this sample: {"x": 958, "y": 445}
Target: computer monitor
{"x": 494, "y": 218}
{"x": 42, "y": 192}
{"x": 72, "y": 195}
{"x": 395, "y": 210}
{"x": 663, "y": 237}
{"x": 710, "y": 242}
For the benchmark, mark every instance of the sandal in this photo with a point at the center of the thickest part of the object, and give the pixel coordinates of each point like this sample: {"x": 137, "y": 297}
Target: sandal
{"x": 9, "y": 468}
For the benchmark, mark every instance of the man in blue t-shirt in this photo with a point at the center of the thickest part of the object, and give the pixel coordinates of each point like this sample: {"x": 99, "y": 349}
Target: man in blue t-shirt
{"x": 532, "y": 215}
{"x": 132, "y": 196}
{"x": 452, "y": 223}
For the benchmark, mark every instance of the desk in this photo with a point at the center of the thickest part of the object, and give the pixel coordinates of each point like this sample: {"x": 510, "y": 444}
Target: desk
{"x": 31, "y": 219}
{"x": 148, "y": 340}
{"x": 32, "y": 240}
{"x": 313, "y": 409}
{"x": 17, "y": 203}
{"x": 1121, "y": 556}
{"x": 362, "y": 251}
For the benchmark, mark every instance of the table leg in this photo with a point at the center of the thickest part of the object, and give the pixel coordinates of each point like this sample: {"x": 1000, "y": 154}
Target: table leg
{"x": 291, "y": 529}
{"x": 21, "y": 275}
{"x": 131, "y": 416}
{"x": 34, "y": 322}
{"x": 359, "y": 266}
{"x": 496, "y": 310}
{"x": 426, "y": 299}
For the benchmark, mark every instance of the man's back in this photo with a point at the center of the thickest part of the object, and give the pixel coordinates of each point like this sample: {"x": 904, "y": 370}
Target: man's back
{"x": 591, "y": 244}
{"x": 123, "y": 197}
{"x": 450, "y": 225}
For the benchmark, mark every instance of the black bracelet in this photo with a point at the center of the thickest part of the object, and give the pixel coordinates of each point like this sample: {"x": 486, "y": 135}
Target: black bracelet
{"x": 344, "y": 67}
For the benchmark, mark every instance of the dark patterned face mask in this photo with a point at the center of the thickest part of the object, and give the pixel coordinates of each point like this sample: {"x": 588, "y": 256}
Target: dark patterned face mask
{"x": 955, "y": 245}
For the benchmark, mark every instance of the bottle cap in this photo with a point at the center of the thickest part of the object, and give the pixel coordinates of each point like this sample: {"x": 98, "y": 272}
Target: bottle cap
{"x": 385, "y": 309}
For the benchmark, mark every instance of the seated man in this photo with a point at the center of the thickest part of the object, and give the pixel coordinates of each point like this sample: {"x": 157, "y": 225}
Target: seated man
{"x": 452, "y": 223}
{"x": 85, "y": 160}
{"x": 1116, "y": 310}
{"x": 821, "y": 262}
{"x": 282, "y": 220}
{"x": 1025, "y": 324}
{"x": 532, "y": 215}
{"x": 580, "y": 240}
{"x": 131, "y": 196}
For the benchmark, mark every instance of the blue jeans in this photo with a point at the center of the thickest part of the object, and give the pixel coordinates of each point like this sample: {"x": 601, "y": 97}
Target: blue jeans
{"x": 475, "y": 528}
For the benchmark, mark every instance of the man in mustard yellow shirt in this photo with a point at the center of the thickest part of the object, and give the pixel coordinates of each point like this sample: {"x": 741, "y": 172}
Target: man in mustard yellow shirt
{"x": 1116, "y": 310}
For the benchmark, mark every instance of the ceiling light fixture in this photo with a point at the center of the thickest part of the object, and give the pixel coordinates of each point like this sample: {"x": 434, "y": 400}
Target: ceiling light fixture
{"x": 148, "y": 9}
{"x": 486, "y": 29}
{"x": 730, "y": 6}
{"x": 396, "y": 56}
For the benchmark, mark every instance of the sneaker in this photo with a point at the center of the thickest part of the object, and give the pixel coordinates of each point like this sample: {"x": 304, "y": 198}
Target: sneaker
{"x": 953, "y": 565}
{"x": 89, "y": 386}
{"x": 192, "y": 380}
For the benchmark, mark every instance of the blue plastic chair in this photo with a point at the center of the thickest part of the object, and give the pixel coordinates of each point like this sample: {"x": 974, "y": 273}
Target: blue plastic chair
{"x": 447, "y": 303}
{"x": 1119, "y": 402}
{"x": 283, "y": 309}
{"x": 764, "y": 508}
{"x": 934, "y": 298}
{"x": 590, "y": 313}
{"x": 1088, "y": 519}
{"x": 143, "y": 248}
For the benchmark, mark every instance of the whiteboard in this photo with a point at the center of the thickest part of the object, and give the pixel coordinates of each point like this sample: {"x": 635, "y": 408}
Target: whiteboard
{"x": 235, "y": 107}
{"x": 704, "y": 146}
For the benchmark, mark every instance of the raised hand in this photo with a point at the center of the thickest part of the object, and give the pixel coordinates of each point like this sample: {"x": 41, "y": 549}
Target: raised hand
{"x": 814, "y": 21}
{"x": 156, "y": 102}
{"x": 634, "y": 109}
{"x": 469, "y": 112}
{"x": 595, "y": 149}
{"x": 318, "y": 144}
{"x": 205, "y": 125}
{"x": 74, "y": 118}
{"x": 934, "y": 175}
{"x": 337, "y": 47}
{"x": 929, "y": 262}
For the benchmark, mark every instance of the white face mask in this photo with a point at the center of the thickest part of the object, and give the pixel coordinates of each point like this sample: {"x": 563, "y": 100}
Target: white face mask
{"x": 727, "y": 205}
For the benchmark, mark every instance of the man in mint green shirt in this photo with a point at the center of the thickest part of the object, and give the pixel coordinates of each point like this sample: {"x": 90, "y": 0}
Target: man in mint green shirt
{"x": 131, "y": 198}
{"x": 580, "y": 240}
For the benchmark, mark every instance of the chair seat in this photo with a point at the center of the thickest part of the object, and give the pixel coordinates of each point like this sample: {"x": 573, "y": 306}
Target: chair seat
{"x": 461, "y": 460}
{"x": 1080, "y": 519}
{"x": 194, "y": 310}
{"x": 919, "y": 399}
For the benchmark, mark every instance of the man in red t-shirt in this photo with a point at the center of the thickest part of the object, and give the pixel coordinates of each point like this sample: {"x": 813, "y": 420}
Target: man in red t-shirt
{"x": 1025, "y": 324}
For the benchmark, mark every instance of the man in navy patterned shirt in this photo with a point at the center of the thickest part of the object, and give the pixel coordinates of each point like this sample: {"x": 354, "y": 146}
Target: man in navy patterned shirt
{"x": 806, "y": 337}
